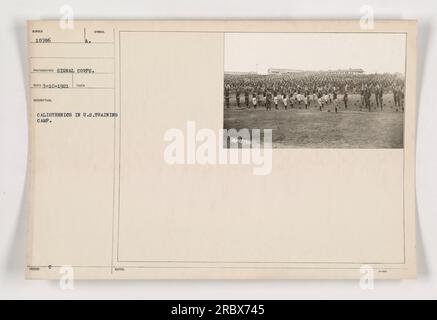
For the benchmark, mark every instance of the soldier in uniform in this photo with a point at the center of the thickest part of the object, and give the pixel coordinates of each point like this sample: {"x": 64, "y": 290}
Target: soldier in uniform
{"x": 378, "y": 96}
{"x": 320, "y": 99}
{"x": 402, "y": 97}
{"x": 363, "y": 92}
{"x": 264, "y": 97}
{"x": 326, "y": 98}
{"x": 367, "y": 96}
{"x": 397, "y": 97}
{"x": 292, "y": 98}
{"x": 237, "y": 95}
{"x": 334, "y": 99}
{"x": 345, "y": 97}
{"x": 285, "y": 100}
{"x": 299, "y": 97}
{"x": 314, "y": 97}
{"x": 306, "y": 99}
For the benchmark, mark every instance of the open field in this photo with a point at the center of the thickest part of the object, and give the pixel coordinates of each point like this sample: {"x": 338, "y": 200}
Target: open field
{"x": 311, "y": 128}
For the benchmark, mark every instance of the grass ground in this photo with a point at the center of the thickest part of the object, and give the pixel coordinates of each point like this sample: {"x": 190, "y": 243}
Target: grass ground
{"x": 311, "y": 128}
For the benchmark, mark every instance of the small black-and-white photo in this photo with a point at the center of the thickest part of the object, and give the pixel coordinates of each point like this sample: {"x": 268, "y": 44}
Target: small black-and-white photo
{"x": 317, "y": 90}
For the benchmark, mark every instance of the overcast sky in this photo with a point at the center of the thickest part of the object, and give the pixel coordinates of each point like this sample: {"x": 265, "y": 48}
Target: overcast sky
{"x": 375, "y": 53}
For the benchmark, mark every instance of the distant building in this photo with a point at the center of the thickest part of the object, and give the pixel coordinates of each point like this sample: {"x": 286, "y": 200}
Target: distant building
{"x": 282, "y": 71}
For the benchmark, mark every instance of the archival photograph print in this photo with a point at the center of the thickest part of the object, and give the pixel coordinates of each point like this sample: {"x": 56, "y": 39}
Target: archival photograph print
{"x": 317, "y": 90}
